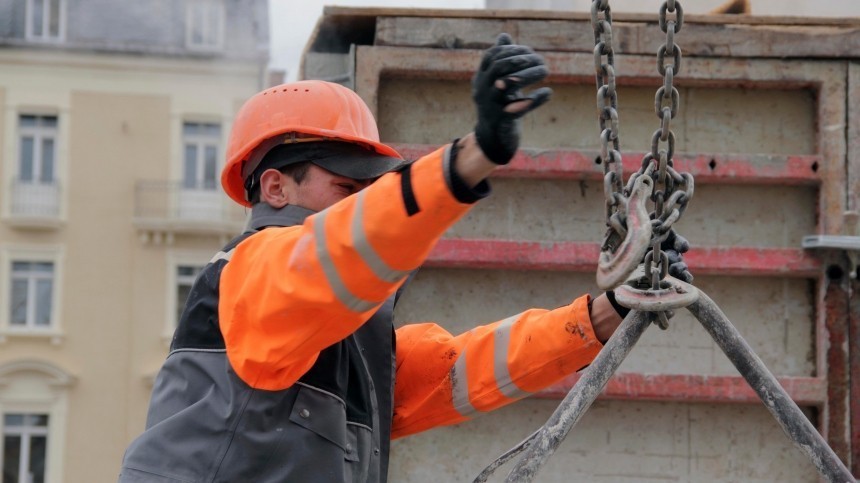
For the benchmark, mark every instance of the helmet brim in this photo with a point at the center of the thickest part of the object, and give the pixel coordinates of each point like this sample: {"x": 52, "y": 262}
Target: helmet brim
{"x": 361, "y": 167}
{"x": 344, "y": 159}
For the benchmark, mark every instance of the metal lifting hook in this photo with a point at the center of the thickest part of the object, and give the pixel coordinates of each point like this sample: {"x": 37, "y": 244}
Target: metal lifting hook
{"x": 614, "y": 268}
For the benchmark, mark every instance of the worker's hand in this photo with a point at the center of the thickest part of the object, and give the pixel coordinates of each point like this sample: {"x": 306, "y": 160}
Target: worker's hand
{"x": 497, "y": 91}
{"x": 675, "y": 246}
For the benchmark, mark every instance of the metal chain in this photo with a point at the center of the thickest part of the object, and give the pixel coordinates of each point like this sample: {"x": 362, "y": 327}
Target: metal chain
{"x": 672, "y": 190}
{"x": 607, "y": 106}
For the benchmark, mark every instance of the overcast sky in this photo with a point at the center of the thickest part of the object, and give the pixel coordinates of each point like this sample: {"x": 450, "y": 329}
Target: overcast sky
{"x": 292, "y": 22}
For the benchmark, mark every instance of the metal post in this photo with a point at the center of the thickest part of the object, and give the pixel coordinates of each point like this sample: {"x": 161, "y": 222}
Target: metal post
{"x": 580, "y": 397}
{"x": 801, "y": 432}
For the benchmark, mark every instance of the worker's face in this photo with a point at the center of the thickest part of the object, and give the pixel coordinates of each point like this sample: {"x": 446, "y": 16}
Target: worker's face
{"x": 321, "y": 189}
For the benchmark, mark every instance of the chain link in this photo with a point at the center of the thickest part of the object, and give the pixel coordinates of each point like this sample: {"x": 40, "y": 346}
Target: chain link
{"x": 607, "y": 107}
{"x": 672, "y": 190}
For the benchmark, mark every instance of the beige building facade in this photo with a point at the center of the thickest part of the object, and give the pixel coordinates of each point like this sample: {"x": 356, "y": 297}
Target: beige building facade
{"x": 113, "y": 123}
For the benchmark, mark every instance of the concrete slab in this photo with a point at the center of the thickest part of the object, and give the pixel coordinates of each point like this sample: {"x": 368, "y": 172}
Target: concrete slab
{"x": 775, "y": 315}
{"x": 615, "y": 442}
{"x": 716, "y": 120}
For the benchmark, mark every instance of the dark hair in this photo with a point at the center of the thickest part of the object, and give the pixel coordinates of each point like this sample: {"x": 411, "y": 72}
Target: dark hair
{"x": 297, "y": 171}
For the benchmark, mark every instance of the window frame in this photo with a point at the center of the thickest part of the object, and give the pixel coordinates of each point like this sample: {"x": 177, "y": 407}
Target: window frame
{"x": 26, "y": 433}
{"x": 176, "y": 259}
{"x": 48, "y": 216}
{"x": 207, "y": 7}
{"x": 39, "y": 134}
{"x": 200, "y": 142}
{"x": 8, "y": 256}
{"x": 31, "y": 386}
{"x": 32, "y": 296}
{"x": 46, "y": 21}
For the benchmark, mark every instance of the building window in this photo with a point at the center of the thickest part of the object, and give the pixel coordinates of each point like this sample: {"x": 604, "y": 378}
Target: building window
{"x": 200, "y": 159}
{"x": 32, "y": 295}
{"x": 185, "y": 277}
{"x": 30, "y": 284}
{"x": 25, "y": 445}
{"x": 45, "y": 20}
{"x": 35, "y": 190}
{"x": 37, "y": 150}
{"x": 205, "y": 24}
{"x": 33, "y": 415}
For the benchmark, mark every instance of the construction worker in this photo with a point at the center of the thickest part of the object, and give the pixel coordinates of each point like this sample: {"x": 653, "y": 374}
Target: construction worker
{"x": 285, "y": 365}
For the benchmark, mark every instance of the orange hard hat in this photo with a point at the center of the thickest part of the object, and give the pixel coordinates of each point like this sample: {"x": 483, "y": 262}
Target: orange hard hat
{"x": 295, "y": 112}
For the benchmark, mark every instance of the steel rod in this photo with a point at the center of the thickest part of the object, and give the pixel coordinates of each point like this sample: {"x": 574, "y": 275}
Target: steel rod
{"x": 789, "y": 416}
{"x": 580, "y": 397}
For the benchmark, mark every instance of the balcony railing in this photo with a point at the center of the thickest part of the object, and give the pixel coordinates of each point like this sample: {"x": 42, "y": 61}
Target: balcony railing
{"x": 168, "y": 206}
{"x": 35, "y": 203}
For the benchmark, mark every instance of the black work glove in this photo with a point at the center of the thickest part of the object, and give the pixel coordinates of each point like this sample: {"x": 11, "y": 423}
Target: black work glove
{"x": 675, "y": 246}
{"x": 496, "y": 89}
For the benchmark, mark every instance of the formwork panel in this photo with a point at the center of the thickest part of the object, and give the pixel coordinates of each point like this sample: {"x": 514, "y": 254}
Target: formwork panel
{"x": 615, "y": 442}
{"x": 775, "y": 315}
{"x": 718, "y": 215}
{"x": 715, "y": 120}
{"x": 748, "y": 89}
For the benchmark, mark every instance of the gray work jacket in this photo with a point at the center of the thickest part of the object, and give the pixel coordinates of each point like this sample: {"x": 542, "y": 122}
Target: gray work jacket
{"x": 207, "y": 425}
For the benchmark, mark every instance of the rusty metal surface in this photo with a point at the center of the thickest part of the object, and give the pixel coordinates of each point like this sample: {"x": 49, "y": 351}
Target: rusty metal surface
{"x": 581, "y": 257}
{"x": 757, "y": 169}
{"x": 854, "y": 370}
{"x": 805, "y": 391}
{"x": 789, "y": 416}
{"x": 853, "y": 204}
{"x": 836, "y": 304}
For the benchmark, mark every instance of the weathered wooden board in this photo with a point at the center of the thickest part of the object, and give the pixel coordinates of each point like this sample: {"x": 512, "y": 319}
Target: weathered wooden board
{"x": 734, "y": 40}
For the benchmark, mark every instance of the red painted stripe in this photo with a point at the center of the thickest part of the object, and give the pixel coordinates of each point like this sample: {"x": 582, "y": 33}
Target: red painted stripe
{"x": 582, "y": 257}
{"x": 708, "y": 169}
{"x": 805, "y": 391}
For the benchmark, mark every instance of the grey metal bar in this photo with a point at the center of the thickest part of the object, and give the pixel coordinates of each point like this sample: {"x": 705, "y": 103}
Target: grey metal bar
{"x": 580, "y": 397}
{"x": 789, "y": 416}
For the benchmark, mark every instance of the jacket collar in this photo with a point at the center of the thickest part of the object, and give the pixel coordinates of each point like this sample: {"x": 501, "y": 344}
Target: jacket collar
{"x": 263, "y": 215}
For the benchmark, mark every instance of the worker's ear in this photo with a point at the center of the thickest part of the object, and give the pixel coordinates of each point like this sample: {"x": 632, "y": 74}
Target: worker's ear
{"x": 274, "y": 188}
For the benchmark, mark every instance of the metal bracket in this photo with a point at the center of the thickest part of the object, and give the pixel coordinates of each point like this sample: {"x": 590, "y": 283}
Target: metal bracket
{"x": 850, "y": 244}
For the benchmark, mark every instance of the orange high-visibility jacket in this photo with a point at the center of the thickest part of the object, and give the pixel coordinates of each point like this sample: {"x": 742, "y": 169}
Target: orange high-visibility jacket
{"x": 282, "y": 365}
{"x": 334, "y": 271}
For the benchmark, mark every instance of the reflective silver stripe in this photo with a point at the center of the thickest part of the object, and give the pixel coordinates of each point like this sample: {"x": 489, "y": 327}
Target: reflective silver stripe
{"x": 460, "y": 387}
{"x": 502, "y": 339}
{"x": 223, "y": 256}
{"x": 340, "y": 291}
{"x": 366, "y": 252}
